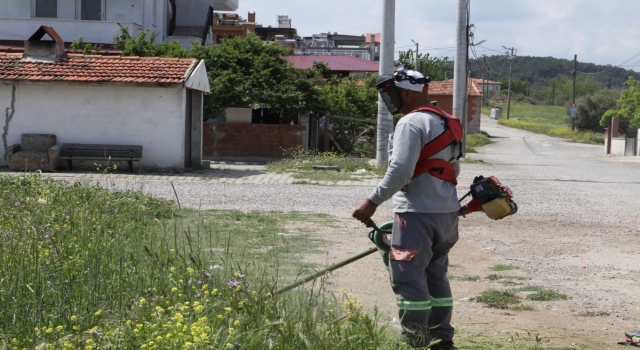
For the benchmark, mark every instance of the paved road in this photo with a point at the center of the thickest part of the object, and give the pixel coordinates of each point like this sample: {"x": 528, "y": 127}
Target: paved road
{"x": 578, "y": 225}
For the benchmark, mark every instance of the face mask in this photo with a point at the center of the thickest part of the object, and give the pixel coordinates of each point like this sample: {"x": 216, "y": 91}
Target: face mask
{"x": 390, "y": 93}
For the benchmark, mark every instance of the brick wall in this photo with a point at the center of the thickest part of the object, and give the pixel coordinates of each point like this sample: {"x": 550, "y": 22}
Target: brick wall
{"x": 445, "y": 102}
{"x": 228, "y": 141}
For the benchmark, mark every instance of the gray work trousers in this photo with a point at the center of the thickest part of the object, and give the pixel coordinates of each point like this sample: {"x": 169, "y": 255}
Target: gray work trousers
{"x": 418, "y": 264}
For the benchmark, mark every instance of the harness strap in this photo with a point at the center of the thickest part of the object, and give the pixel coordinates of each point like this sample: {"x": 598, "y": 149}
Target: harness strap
{"x": 439, "y": 168}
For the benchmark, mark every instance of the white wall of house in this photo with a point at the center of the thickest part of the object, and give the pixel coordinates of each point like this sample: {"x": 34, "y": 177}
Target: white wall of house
{"x": 151, "y": 117}
{"x": 91, "y": 31}
{"x": 17, "y": 22}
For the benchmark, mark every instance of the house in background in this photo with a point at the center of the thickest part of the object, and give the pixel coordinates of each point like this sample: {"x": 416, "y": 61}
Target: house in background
{"x": 97, "y": 20}
{"x": 366, "y": 46}
{"x": 340, "y": 65}
{"x": 442, "y": 92}
{"x": 491, "y": 86}
{"x": 149, "y": 101}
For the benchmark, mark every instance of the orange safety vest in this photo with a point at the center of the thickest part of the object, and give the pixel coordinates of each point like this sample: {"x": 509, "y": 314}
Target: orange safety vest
{"x": 452, "y": 134}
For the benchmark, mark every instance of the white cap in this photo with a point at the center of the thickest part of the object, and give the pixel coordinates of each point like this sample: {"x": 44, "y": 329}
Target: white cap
{"x": 406, "y": 83}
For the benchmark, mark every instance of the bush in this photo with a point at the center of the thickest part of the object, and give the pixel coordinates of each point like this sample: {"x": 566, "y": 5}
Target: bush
{"x": 592, "y": 107}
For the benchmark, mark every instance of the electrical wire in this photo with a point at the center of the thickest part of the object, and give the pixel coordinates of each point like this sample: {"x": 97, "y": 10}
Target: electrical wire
{"x": 612, "y": 68}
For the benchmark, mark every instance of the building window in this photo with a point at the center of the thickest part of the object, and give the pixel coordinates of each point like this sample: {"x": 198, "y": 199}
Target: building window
{"x": 47, "y": 8}
{"x": 91, "y": 10}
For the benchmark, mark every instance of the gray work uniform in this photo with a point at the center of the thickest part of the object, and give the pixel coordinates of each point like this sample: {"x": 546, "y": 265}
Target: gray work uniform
{"x": 425, "y": 228}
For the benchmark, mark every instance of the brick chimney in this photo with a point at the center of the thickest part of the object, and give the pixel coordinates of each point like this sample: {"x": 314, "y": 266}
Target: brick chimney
{"x": 36, "y": 49}
{"x": 251, "y": 17}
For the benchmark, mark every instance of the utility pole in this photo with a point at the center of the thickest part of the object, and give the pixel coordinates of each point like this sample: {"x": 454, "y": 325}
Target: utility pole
{"x": 553, "y": 94}
{"x": 573, "y": 88}
{"x": 510, "y": 58}
{"x": 416, "y": 65}
{"x": 385, "y": 120}
{"x": 460, "y": 68}
{"x": 484, "y": 83}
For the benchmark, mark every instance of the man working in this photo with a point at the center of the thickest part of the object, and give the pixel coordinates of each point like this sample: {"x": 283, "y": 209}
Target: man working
{"x": 421, "y": 178}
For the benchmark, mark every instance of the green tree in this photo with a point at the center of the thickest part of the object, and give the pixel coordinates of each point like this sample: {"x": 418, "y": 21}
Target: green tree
{"x": 561, "y": 93}
{"x": 144, "y": 45}
{"x": 628, "y": 105}
{"x": 241, "y": 70}
{"x": 245, "y": 70}
{"x": 592, "y": 107}
{"x": 435, "y": 68}
{"x": 517, "y": 86}
{"x": 351, "y": 97}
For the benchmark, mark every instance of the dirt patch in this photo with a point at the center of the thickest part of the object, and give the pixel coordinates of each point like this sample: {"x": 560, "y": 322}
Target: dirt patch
{"x": 567, "y": 324}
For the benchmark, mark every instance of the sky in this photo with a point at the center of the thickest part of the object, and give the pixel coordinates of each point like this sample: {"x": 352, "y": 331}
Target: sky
{"x": 601, "y": 32}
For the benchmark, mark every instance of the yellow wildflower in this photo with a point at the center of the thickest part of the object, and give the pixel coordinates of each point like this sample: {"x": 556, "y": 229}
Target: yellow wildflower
{"x": 236, "y": 323}
{"x": 229, "y": 345}
{"x": 191, "y": 271}
{"x": 174, "y": 289}
{"x": 227, "y": 309}
{"x": 231, "y": 330}
{"x": 49, "y": 330}
{"x": 172, "y": 269}
{"x": 172, "y": 250}
{"x": 59, "y": 328}
{"x": 73, "y": 318}
{"x": 98, "y": 313}
{"x": 143, "y": 300}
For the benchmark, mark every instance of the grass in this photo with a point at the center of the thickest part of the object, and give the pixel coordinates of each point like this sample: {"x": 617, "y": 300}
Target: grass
{"x": 542, "y": 119}
{"x": 85, "y": 267}
{"x": 466, "y": 278}
{"x": 301, "y": 164}
{"x": 542, "y": 294}
{"x": 502, "y": 267}
{"x": 499, "y": 299}
{"x": 476, "y": 140}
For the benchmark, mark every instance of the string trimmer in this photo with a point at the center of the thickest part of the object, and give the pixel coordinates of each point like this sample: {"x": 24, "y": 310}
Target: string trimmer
{"x": 487, "y": 195}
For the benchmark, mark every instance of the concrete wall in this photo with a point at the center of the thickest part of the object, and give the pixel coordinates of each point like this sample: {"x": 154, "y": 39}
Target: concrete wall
{"x": 250, "y": 141}
{"x": 191, "y": 13}
{"x": 92, "y": 31}
{"x": 151, "y": 117}
{"x": 17, "y": 23}
{"x": 16, "y": 9}
{"x": 617, "y": 146}
{"x": 124, "y": 11}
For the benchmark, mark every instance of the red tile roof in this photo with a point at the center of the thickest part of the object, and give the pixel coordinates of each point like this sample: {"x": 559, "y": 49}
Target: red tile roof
{"x": 335, "y": 62}
{"x": 446, "y": 88}
{"x": 97, "y": 69}
{"x": 489, "y": 82}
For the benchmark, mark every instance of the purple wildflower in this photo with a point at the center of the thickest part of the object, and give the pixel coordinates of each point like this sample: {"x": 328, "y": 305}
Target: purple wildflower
{"x": 17, "y": 203}
{"x": 206, "y": 274}
{"x": 240, "y": 275}
{"x": 198, "y": 295}
{"x": 233, "y": 284}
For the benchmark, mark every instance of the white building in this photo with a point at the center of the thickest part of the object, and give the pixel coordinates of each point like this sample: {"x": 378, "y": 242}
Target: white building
{"x": 153, "y": 102}
{"x": 97, "y": 20}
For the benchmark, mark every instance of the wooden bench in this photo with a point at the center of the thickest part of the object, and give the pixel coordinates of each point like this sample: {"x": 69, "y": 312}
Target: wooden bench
{"x": 79, "y": 151}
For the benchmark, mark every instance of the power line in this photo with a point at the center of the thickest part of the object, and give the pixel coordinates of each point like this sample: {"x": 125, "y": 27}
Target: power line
{"x": 612, "y": 68}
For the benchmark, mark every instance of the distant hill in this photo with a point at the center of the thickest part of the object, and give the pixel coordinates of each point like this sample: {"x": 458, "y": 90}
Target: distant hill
{"x": 539, "y": 71}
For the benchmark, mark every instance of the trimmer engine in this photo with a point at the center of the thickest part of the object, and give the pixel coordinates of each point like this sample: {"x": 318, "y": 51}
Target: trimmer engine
{"x": 491, "y": 197}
